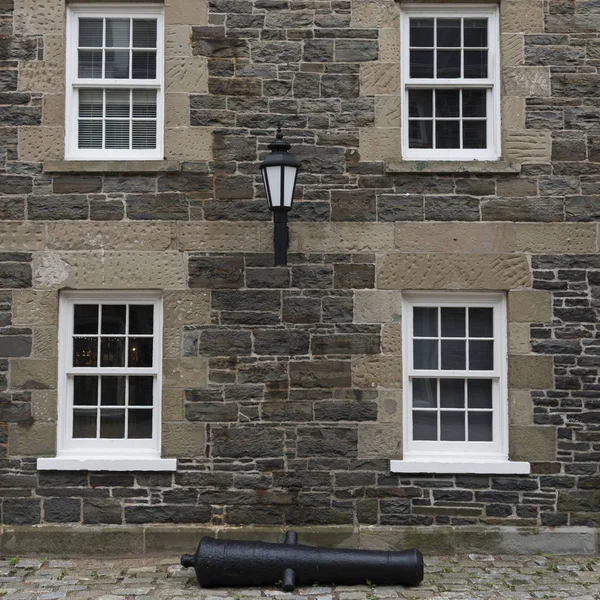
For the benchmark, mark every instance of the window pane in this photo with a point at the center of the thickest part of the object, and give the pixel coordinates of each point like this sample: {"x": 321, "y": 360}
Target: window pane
{"x": 424, "y": 425}
{"x": 421, "y": 32}
{"x": 425, "y": 321}
{"x": 140, "y": 391}
{"x": 117, "y": 134}
{"x": 89, "y": 134}
{"x": 84, "y": 423}
{"x": 447, "y": 134}
{"x": 117, "y": 64}
{"x": 481, "y": 322}
{"x": 141, "y": 318}
{"x": 424, "y": 393}
{"x": 452, "y": 393}
{"x": 474, "y": 103}
{"x": 421, "y": 63}
{"x": 144, "y": 103}
{"x": 117, "y": 33}
{"x": 117, "y": 103}
{"x": 85, "y": 318}
{"x": 476, "y": 64}
{"x": 481, "y": 355}
{"x": 144, "y": 33}
{"x": 85, "y": 352}
{"x": 452, "y": 425}
{"x": 448, "y": 63}
{"x": 453, "y": 355}
{"x": 113, "y": 352}
{"x": 143, "y": 135}
{"x": 85, "y": 390}
{"x": 425, "y": 354}
{"x": 480, "y": 427}
{"x": 140, "y": 424}
{"x": 144, "y": 64}
{"x": 474, "y": 134}
{"x": 420, "y": 103}
{"x": 480, "y": 393}
{"x": 140, "y": 352}
{"x": 113, "y": 318}
{"x": 90, "y": 103}
{"x": 112, "y": 391}
{"x": 453, "y": 322}
{"x": 90, "y": 33}
{"x": 112, "y": 423}
{"x": 448, "y": 32}
{"x": 420, "y": 134}
{"x": 89, "y": 64}
{"x": 475, "y": 35}
{"x": 447, "y": 103}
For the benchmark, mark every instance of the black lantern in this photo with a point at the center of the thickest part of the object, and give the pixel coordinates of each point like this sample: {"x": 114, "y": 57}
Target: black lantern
{"x": 279, "y": 171}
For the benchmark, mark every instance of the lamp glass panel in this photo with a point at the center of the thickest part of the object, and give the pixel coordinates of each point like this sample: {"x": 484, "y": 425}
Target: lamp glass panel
{"x": 289, "y": 178}
{"x": 274, "y": 175}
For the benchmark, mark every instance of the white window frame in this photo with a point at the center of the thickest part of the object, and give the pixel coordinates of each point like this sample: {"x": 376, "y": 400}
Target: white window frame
{"x": 105, "y": 454}
{"x": 492, "y": 82}
{"x": 74, "y": 84}
{"x": 458, "y": 457}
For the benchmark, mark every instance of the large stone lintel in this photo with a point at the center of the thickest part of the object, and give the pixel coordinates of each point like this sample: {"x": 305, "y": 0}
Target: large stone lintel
{"x": 111, "y": 166}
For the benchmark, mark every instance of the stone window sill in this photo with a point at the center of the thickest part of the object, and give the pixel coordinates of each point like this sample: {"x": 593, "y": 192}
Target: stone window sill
{"x": 121, "y": 463}
{"x": 504, "y": 467}
{"x": 111, "y": 166}
{"x": 458, "y": 166}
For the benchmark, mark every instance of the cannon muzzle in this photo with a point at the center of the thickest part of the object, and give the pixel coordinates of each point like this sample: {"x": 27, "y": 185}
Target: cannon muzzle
{"x": 243, "y": 563}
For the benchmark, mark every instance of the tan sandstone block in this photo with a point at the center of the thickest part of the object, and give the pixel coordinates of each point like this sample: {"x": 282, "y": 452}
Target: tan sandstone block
{"x": 379, "y": 440}
{"x": 177, "y": 110}
{"x": 530, "y": 372}
{"x": 377, "y": 306}
{"x": 379, "y": 78}
{"x": 555, "y": 237}
{"x": 518, "y": 16}
{"x": 216, "y": 236}
{"x": 44, "y": 405}
{"x": 106, "y": 235}
{"x": 35, "y": 307}
{"x": 453, "y": 271}
{"x": 178, "y": 41}
{"x": 390, "y": 407}
{"x": 45, "y": 342}
{"x": 21, "y": 236}
{"x": 375, "y": 13}
{"x": 341, "y": 237}
{"x": 32, "y": 374}
{"x": 37, "y": 17}
{"x": 36, "y": 439}
{"x": 389, "y": 44}
{"x": 520, "y": 407}
{"x": 41, "y": 76}
{"x": 53, "y": 110}
{"x": 530, "y": 306}
{"x": 189, "y": 307}
{"x": 460, "y": 237}
{"x": 173, "y": 405}
{"x": 513, "y": 112}
{"x": 387, "y": 111}
{"x": 391, "y": 339}
{"x": 519, "y": 338}
{"x": 532, "y": 443}
{"x": 109, "y": 270}
{"x": 512, "y": 48}
{"x": 526, "y": 81}
{"x": 531, "y": 145}
{"x": 172, "y": 342}
{"x": 377, "y": 371}
{"x": 186, "y": 74}
{"x": 188, "y": 143}
{"x": 186, "y": 12}
{"x": 183, "y": 440}
{"x": 54, "y": 48}
{"x": 40, "y": 143}
{"x": 185, "y": 372}
{"x": 378, "y": 143}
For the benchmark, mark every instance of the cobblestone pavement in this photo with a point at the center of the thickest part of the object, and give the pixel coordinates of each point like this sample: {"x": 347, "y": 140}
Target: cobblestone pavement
{"x": 472, "y": 577}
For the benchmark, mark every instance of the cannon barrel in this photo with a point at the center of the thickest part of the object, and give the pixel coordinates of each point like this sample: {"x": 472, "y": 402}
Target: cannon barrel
{"x": 240, "y": 563}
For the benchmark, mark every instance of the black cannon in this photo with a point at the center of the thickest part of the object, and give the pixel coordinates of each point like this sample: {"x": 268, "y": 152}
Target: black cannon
{"x": 236, "y": 563}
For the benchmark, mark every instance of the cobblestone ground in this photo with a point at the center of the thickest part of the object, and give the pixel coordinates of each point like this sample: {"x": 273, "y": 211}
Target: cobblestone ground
{"x": 472, "y": 577}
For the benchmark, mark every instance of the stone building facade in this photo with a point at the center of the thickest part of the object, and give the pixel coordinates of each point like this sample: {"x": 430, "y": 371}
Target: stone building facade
{"x": 282, "y": 386}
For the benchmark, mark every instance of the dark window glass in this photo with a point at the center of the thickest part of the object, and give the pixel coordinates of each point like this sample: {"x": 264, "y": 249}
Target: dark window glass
{"x": 113, "y": 352}
{"x": 420, "y": 134}
{"x": 481, "y": 355}
{"x": 117, "y": 134}
{"x": 425, "y": 354}
{"x": 140, "y": 391}
{"x": 474, "y": 103}
{"x": 480, "y": 393}
{"x": 117, "y": 64}
{"x": 90, "y": 33}
{"x": 140, "y": 424}
{"x": 474, "y": 134}
{"x": 90, "y": 64}
{"x": 113, "y": 318}
{"x": 447, "y": 134}
{"x": 452, "y": 393}
{"x": 85, "y": 319}
{"x": 475, "y": 35}
{"x": 424, "y": 425}
{"x": 84, "y": 422}
{"x": 144, "y": 33}
{"x": 112, "y": 423}
{"x": 453, "y": 322}
{"x": 117, "y": 33}
{"x": 476, "y": 64}
{"x": 425, "y": 321}
{"x": 141, "y": 318}
{"x": 480, "y": 426}
{"x": 424, "y": 393}
{"x": 85, "y": 390}
{"x": 420, "y": 103}
{"x": 448, "y": 33}
{"x": 448, "y": 64}
{"x": 452, "y": 425}
{"x": 481, "y": 322}
{"x": 113, "y": 391}
{"x": 85, "y": 352}
{"x": 421, "y": 32}
{"x": 140, "y": 352}
{"x": 89, "y": 134}
{"x": 447, "y": 103}
{"x": 421, "y": 63}
{"x": 453, "y": 355}
{"x": 143, "y": 64}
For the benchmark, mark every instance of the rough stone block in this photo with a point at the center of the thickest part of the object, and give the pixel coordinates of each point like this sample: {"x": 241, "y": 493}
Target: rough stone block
{"x": 381, "y": 440}
{"x": 40, "y": 143}
{"x": 178, "y": 40}
{"x": 354, "y": 276}
{"x": 530, "y": 372}
{"x": 45, "y": 342}
{"x": 53, "y": 110}
{"x": 33, "y": 374}
{"x": 555, "y": 237}
{"x": 216, "y": 272}
{"x": 188, "y": 143}
{"x": 189, "y": 372}
{"x": 186, "y": 74}
{"x": 513, "y": 111}
{"x": 177, "y": 110}
{"x": 532, "y": 443}
{"x": 377, "y": 306}
{"x": 526, "y": 81}
{"x": 345, "y": 344}
{"x": 391, "y": 339}
{"x": 453, "y": 271}
{"x": 530, "y": 306}
{"x": 43, "y": 406}
{"x": 35, "y": 307}
{"x": 226, "y": 236}
{"x": 377, "y": 371}
{"x": 41, "y": 76}
{"x": 36, "y": 439}
{"x": 189, "y": 307}
{"x": 389, "y": 44}
{"x": 517, "y": 16}
{"x": 379, "y": 78}
{"x": 320, "y": 374}
{"x": 54, "y": 48}
{"x": 371, "y": 13}
{"x": 529, "y": 146}
{"x": 379, "y": 143}
{"x": 327, "y": 441}
{"x": 184, "y": 440}
{"x": 186, "y": 13}
{"x": 38, "y": 17}
{"x": 512, "y": 45}
{"x": 387, "y": 111}
{"x": 519, "y": 338}
{"x": 21, "y": 236}
{"x": 341, "y": 237}
{"x": 252, "y": 442}
{"x": 520, "y": 407}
